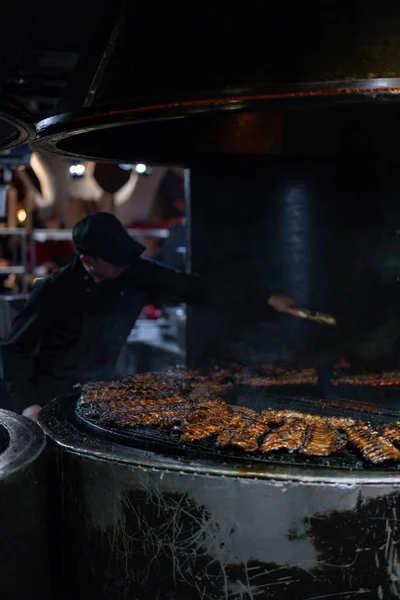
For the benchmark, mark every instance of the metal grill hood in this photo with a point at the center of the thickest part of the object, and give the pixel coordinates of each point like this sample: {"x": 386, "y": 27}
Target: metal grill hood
{"x": 16, "y": 125}
{"x": 190, "y": 80}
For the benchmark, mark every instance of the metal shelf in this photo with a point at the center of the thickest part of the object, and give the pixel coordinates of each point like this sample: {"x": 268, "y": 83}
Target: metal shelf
{"x": 12, "y": 231}
{"x": 154, "y": 233}
{"x": 17, "y": 270}
{"x": 42, "y": 235}
{"x": 59, "y": 235}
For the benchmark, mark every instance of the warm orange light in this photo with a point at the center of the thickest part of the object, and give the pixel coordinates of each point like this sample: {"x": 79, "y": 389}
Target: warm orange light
{"x": 21, "y": 215}
{"x": 385, "y": 383}
{"x": 21, "y": 168}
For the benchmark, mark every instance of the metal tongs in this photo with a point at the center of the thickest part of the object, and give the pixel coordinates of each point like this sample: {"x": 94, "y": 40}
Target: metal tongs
{"x": 314, "y": 315}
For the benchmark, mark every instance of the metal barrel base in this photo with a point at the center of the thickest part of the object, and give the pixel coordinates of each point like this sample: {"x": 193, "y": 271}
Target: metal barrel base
{"x": 24, "y": 547}
{"x": 136, "y": 524}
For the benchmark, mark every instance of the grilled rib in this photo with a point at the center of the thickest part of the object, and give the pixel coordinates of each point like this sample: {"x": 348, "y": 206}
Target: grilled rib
{"x": 207, "y": 390}
{"x": 245, "y": 433}
{"x": 204, "y": 422}
{"x": 392, "y": 432}
{"x": 301, "y": 377}
{"x": 159, "y": 385}
{"x": 190, "y": 402}
{"x": 372, "y": 446}
{"x": 370, "y": 379}
{"x": 244, "y": 410}
{"x": 321, "y": 438}
{"x": 291, "y": 436}
{"x": 278, "y": 416}
{"x": 341, "y": 423}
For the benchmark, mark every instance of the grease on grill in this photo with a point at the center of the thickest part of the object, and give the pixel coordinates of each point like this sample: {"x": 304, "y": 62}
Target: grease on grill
{"x": 190, "y": 404}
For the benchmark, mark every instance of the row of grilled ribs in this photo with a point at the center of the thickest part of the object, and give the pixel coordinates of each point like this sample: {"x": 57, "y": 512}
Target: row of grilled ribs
{"x": 270, "y": 374}
{"x": 191, "y": 404}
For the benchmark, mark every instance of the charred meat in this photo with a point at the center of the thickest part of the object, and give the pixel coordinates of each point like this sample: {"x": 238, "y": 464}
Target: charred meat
{"x": 322, "y": 439}
{"x": 245, "y": 432}
{"x": 372, "y": 446}
{"x": 192, "y": 404}
{"x": 204, "y": 422}
{"x": 290, "y": 436}
{"x": 392, "y": 432}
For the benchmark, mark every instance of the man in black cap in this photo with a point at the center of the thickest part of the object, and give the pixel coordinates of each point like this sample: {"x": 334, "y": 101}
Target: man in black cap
{"x": 76, "y": 321}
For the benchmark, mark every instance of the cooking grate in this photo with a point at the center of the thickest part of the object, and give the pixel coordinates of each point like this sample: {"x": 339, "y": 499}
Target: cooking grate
{"x": 152, "y": 439}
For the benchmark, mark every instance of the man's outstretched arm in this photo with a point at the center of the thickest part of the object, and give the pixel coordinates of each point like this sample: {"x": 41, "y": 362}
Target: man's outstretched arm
{"x": 173, "y": 286}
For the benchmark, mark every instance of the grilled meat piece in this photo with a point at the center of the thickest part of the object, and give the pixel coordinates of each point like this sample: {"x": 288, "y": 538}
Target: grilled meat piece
{"x": 208, "y": 404}
{"x": 203, "y": 423}
{"x": 371, "y": 379}
{"x": 155, "y": 385}
{"x": 372, "y": 446}
{"x": 226, "y": 374}
{"x": 245, "y": 433}
{"x": 207, "y": 390}
{"x": 302, "y": 377}
{"x": 310, "y": 434}
{"x": 150, "y": 403}
{"x": 392, "y": 432}
{"x": 191, "y": 403}
{"x": 244, "y": 410}
{"x": 290, "y": 436}
{"x": 278, "y": 416}
{"x": 341, "y": 423}
{"x": 164, "y": 419}
{"x": 132, "y": 412}
{"x": 321, "y": 438}
{"x": 232, "y": 370}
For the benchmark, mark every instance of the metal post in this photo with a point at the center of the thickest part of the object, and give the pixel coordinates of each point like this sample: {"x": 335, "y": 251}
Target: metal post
{"x": 24, "y": 262}
{"x": 33, "y": 251}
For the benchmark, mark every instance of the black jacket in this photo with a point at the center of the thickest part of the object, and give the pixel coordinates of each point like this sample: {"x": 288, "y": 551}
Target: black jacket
{"x": 72, "y": 329}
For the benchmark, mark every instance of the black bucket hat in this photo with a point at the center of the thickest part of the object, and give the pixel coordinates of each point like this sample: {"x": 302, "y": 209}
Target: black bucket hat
{"x": 102, "y": 235}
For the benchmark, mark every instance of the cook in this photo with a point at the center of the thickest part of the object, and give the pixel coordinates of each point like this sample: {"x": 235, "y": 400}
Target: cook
{"x": 76, "y": 321}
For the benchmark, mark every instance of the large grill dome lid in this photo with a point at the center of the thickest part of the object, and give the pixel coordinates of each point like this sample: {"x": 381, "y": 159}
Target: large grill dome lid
{"x": 16, "y": 125}
{"x": 186, "y": 81}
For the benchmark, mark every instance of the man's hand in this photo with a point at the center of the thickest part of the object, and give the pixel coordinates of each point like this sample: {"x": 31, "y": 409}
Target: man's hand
{"x": 284, "y": 304}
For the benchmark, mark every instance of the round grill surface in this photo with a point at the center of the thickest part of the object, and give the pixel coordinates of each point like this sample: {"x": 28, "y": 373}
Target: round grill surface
{"x": 305, "y": 401}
